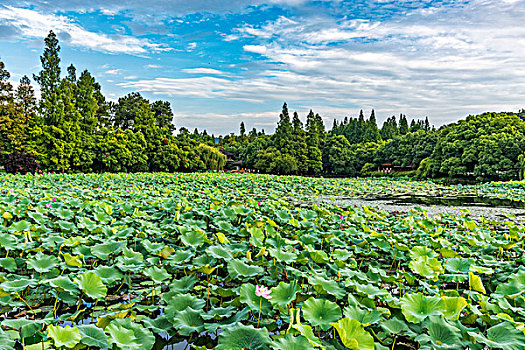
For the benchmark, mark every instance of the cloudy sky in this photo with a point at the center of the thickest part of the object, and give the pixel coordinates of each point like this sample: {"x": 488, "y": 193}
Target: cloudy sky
{"x": 219, "y": 62}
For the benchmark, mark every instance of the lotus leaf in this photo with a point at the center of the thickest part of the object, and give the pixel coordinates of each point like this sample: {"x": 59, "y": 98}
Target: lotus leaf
{"x": 240, "y": 337}
{"x": 353, "y": 335}
{"x": 64, "y": 336}
{"x": 321, "y": 313}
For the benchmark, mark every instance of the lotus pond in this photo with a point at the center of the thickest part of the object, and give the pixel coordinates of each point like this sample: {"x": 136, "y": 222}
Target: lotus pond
{"x": 232, "y": 262}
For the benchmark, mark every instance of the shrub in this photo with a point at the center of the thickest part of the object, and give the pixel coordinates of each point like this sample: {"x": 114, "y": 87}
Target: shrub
{"x": 20, "y": 162}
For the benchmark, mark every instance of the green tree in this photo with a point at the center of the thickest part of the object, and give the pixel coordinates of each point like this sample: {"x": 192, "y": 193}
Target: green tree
{"x": 313, "y": 142}
{"x": 13, "y": 122}
{"x": 242, "y": 130}
{"x": 403, "y": 124}
{"x": 372, "y": 133}
{"x": 283, "y": 132}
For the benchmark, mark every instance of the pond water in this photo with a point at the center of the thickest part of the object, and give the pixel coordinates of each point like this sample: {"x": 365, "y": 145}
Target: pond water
{"x": 493, "y": 209}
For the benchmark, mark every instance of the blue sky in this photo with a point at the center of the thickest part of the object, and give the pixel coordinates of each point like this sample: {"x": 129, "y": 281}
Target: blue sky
{"x": 220, "y": 62}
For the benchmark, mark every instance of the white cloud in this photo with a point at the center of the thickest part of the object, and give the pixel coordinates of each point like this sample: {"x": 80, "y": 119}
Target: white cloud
{"x": 261, "y": 49}
{"x": 113, "y": 71}
{"x": 32, "y": 24}
{"x": 203, "y": 71}
{"x": 192, "y": 46}
{"x": 153, "y": 66}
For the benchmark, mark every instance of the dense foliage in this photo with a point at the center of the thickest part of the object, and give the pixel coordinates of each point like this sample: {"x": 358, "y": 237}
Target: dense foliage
{"x": 72, "y": 128}
{"x": 226, "y": 261}
{"x": 489, "y": 146}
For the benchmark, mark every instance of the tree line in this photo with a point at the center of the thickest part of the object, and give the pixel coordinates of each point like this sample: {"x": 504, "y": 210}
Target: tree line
{"x": 489, "y": 146}
{"x": 73, "y": 128}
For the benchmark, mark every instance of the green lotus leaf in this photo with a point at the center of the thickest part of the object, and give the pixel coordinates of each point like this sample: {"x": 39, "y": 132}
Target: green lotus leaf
{"x": 65, "y": 214}
{"x": 71, "y": 260}
{"x": 157, "y": 274}
{"x": 365, "y": 317}
{"x": 420, "y": 252}
{"x": 282, "y": 255}
{"x": 475, "y": 283}
{"x": 441, "y": 335}
{"x": 91, "y": 284}
{"x": 481, "y": 269}
{"x": 247, "y": 296}
{"x": 284, "y": 293}
{"x": 453, "y": 307}
{"x": 179, "y": 302}
{"x": 238, "y": 268}
{"x": 181, "y": 256}
{"x": 370, "y": 291}
{"x": 458, "y": 265}
{"x": 17, "y": 285}
{"x": 188, "y": 321}
{"x": 240, "y": 337}
{"x": 93, "y": 336}
{"x": 353, "y": 335}
{"x": 20, "y": 226}
{"x": 395, "y": 326}
{"x": 220, "y": 252}
{"x": 109, "y": 274}
{"x": 6, "y": 343}
{"x": 158, "y": 325}
{"x": 416, "y": 306}
{"x": 63, "y": 283}
{"x": 514, "y": 287}
{"x": 139, "y": 338}
{"x": 308, "y": 333}
{"x": 122, "y": 337}
{"x": 502, "y": 336}
{"x": 42, "y": 263}
{"x": 321, "y": 313}
{"x": 64, "y": 336}
{"x": 326, "y": 286}
{"x": 219, "y": 312}
{"x": 342, "y": 254}
{"x": 9, "y": 264}
{"x": 104, "y": 250}
{"x": 290, "y": 342}
{"x": 427, "y": 267}
{"x": 193, "y": 238}
{"x": 183, "y": 284}
{"x": 8, "y": 241}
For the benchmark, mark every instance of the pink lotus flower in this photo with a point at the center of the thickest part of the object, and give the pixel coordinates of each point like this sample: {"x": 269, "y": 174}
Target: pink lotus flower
{"x": 47, "y": 205}
{"x": 54, "y": 199}
{"x": 263, "y": 292}
{"x": 259, "y": 203}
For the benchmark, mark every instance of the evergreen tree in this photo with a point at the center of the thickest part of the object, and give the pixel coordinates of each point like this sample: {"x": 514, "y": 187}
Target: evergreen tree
{"x": 299, "y": 146}
{"x": 389, "y": 129}
{"x": 49, "y": 81}
{"x": 372, "y": 131}
{"x": 72, "y": 73}
{"x": 56, "y": 134}
{"x": 242, "y": 130}
{"x": 427, "y": 124}
{"x": 315, "y": 157}
{"x": 403, "y": 125}
{"x": 86, "y": 102}
{"x": 283, "y": 132}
